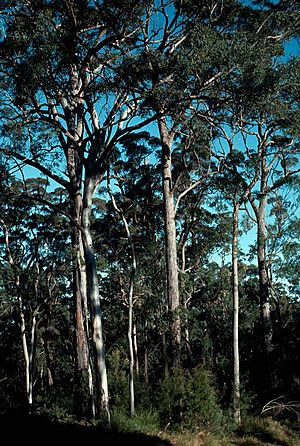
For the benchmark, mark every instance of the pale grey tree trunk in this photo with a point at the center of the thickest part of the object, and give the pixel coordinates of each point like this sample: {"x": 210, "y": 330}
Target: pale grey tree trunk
{"x": 264, "y": 290}
{"x": 235, "y": 284}
{"x": 25, "y": 348}
{"x": 91, "y": 391}
{"x": 130, "y": 341}
{"x": 31, "y": 358}
{"x": 102, "y": 403}
{"x": 85, "y": 312}
{"x": 130, "y": 306}
{"x": 186, "y": 301}
{"x": 170, "y": 241}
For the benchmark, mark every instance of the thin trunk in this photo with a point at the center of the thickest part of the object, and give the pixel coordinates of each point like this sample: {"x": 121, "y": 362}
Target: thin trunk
{"x": 33, "y": 332}
{"x": 130, "y": 305}
{"x": 25, "y": 348}
{"x": 136, "y": 355}
{"x": 130, "y": 319}
{"x": 94, "y": 300}
{"x": 31, "y": 358}
{"x": 170, "y": 241}
{"x": 235, "y": 283}
{"x": 131, "y": 355}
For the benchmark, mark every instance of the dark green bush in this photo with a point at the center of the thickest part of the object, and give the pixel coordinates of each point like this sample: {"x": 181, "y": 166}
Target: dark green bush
{"x": 189, "y": 400}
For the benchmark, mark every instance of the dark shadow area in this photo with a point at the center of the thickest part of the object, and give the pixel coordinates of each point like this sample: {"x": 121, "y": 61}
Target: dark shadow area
{"x": 37, "y": 430}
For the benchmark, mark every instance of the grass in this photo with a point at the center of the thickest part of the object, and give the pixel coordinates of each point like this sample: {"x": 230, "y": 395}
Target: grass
{"x": 264, "y": 432}
{"x": 254, "y": 432}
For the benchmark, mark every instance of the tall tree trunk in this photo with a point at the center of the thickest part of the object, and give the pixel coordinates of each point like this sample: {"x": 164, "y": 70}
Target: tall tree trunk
{"x": 85, "y": 311}
{"x": 170, "y": 242}
{"x": 73, "y": 111}
{"x": 264, "y": 291}
{"x": 79, "y": 286}
{"x": 79, "y": 296}
{"x": 264, "y": 284}
{"x": 130, "y": 342}
{"x": 235, "y": 286}
{"x": 94, "y": 301}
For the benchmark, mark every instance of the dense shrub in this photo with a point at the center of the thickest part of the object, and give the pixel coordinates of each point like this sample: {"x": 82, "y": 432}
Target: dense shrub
{"x": 188, "y": 400}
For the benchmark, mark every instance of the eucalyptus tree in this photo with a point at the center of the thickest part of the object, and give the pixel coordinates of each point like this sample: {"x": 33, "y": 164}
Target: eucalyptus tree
{"x": 59, "y": 62}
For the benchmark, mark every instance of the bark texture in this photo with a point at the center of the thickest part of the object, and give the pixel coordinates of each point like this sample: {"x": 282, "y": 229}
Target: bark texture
{"x": 170, "y": 242}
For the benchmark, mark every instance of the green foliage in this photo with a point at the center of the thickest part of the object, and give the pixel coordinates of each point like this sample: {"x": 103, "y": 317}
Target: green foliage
{"x": 145, "y": 421}
{"x": 118, "y": 363}
{"x": 189, "y": 400}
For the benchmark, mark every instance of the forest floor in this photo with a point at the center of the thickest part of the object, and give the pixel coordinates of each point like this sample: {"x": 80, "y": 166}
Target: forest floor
{"x": 254, "y": 432}
{"x": 40, "y": 429}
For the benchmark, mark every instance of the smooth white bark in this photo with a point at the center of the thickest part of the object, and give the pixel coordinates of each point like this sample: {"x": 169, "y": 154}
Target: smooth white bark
{"x": 94, "y": 300}
{"x": 235, "y": 283}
